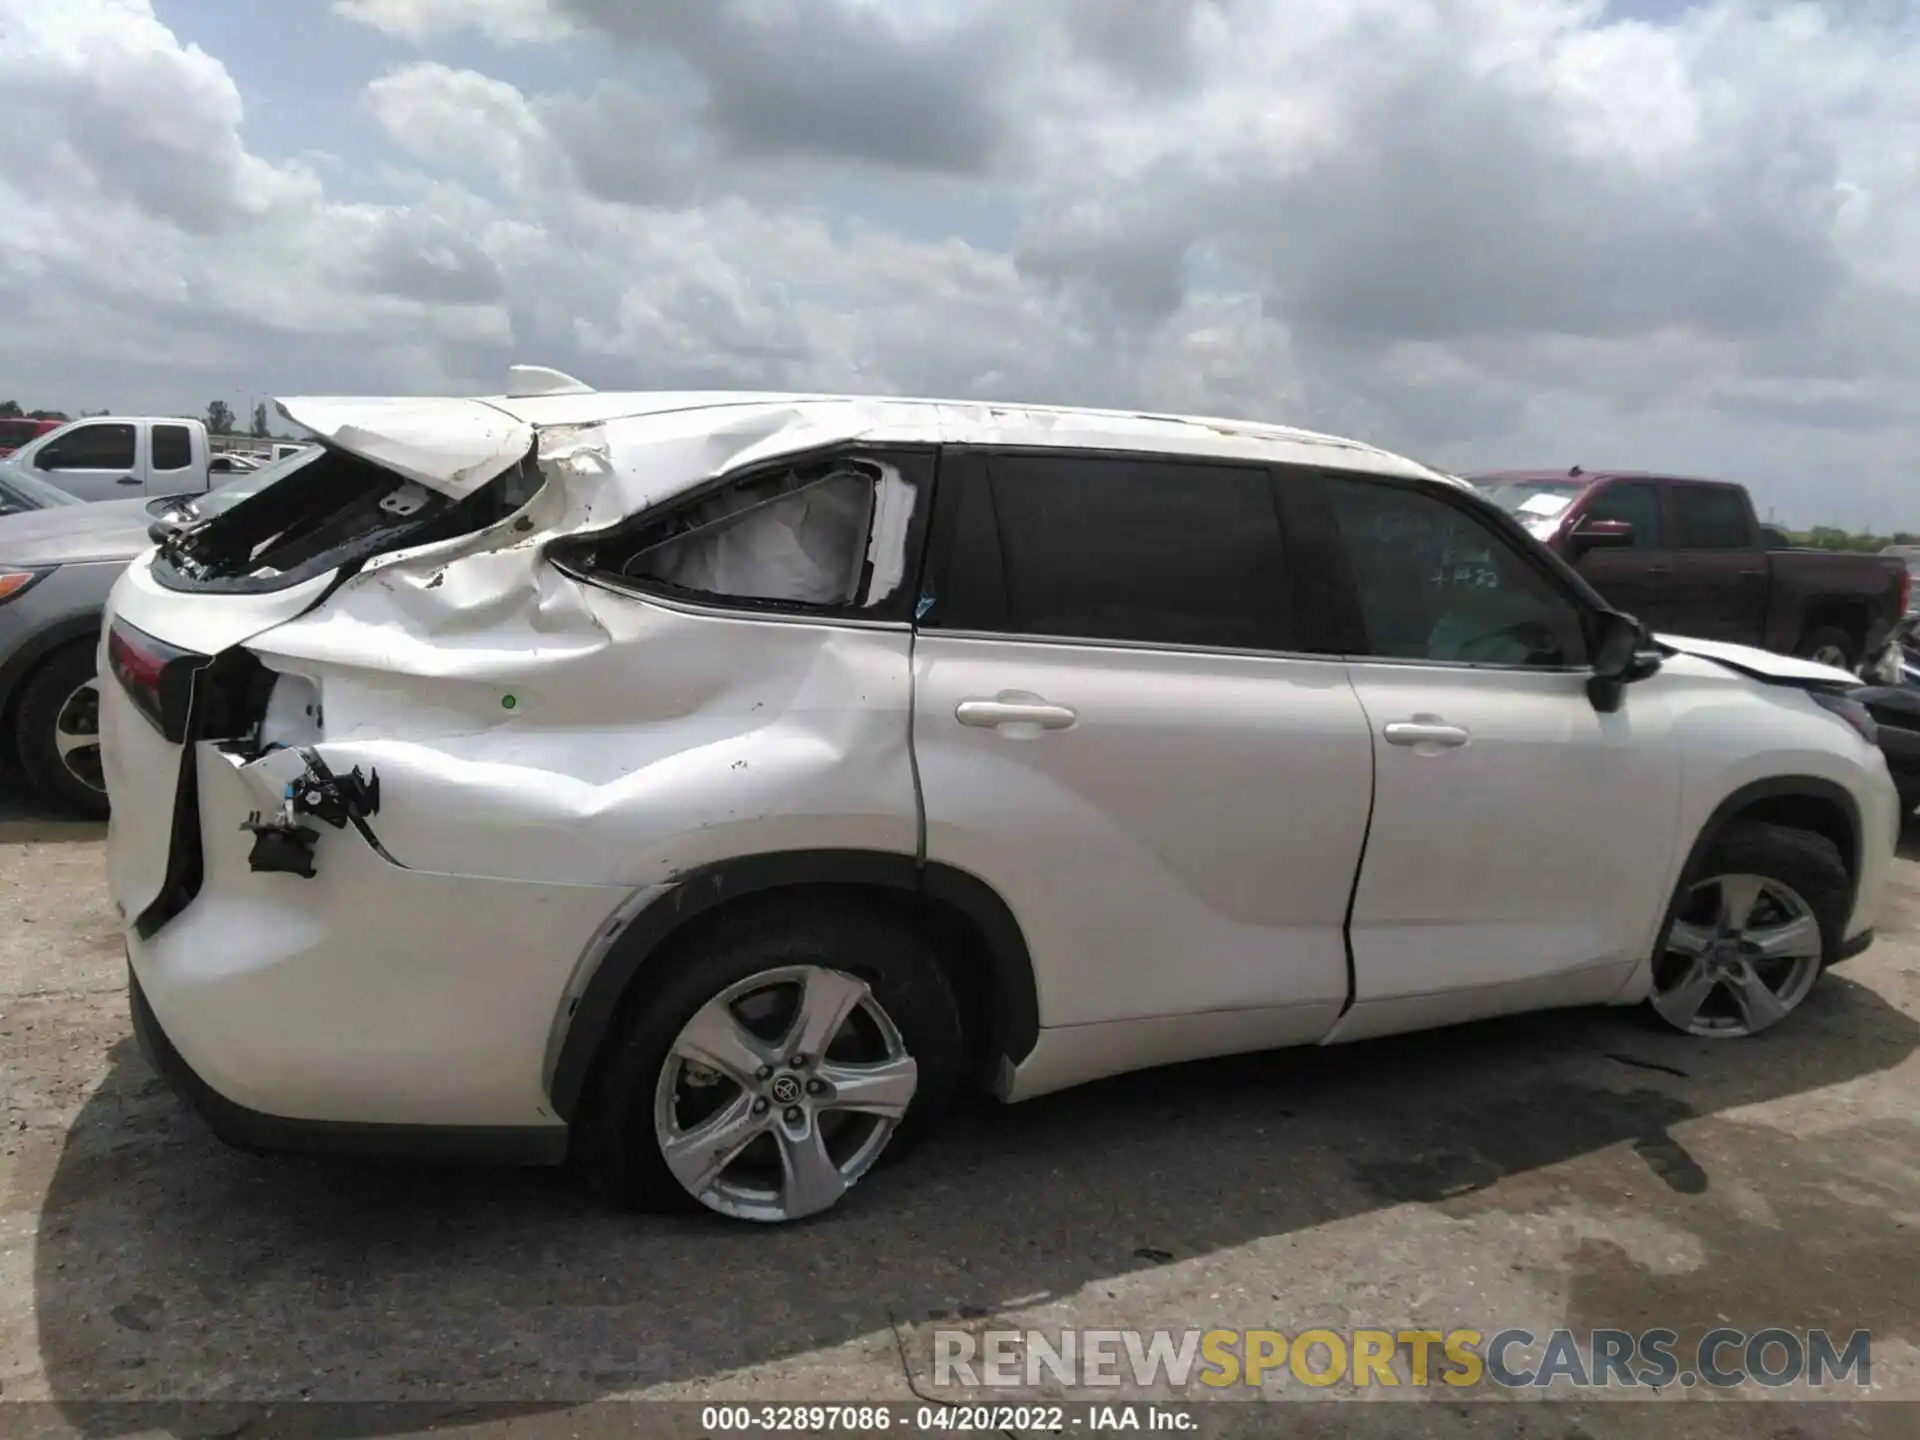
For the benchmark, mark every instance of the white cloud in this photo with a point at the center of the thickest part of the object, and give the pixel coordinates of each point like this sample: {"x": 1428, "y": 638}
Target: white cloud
{"x": 1487, "y": 231}
{"x": 422, "y": 21}
{"x": 462, "y": 124}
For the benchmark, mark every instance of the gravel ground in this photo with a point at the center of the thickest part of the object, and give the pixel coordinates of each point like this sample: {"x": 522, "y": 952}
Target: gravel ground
{"x": 1577, "y": 1169}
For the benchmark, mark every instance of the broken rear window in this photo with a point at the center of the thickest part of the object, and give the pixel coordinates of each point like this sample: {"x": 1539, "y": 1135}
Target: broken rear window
{"x": 831, "y": 534}
{"x": 328, "y": 510}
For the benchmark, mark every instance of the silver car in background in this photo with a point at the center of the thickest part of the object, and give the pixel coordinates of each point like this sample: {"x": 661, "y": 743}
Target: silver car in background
{"x": 59, "y": 557}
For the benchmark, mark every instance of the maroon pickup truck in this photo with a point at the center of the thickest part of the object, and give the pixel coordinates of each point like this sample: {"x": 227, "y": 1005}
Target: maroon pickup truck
{"x": 1688, "y": 557}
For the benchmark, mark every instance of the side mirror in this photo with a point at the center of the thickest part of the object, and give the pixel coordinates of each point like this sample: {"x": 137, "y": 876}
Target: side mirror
{"x": 1601, "y": 535}
{"x": 1623, "y": 653}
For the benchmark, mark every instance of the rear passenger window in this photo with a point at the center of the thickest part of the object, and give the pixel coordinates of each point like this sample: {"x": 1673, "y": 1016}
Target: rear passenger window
{"x": 172, "y": 447}
{"x": 830, "y": 534}
{"x": 1144, "y": 551}
{"x": 1709, "y": 517}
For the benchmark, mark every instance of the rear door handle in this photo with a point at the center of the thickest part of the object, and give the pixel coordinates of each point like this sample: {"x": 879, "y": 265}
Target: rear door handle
{"x": 1425, "y": 732}
{"x": 992, "y": 714}
{"x": 1658, "y": 570}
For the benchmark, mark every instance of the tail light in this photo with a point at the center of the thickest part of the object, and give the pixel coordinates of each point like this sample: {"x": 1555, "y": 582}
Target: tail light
{"x": 1906, "y": 591}
{"x": 158, "y": 676}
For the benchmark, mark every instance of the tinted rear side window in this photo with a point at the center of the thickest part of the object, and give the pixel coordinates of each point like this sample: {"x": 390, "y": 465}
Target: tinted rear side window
{"x": 172, "y": 447}
{"x": 1141, "y": 550}
{"x": 1709, "y": 517}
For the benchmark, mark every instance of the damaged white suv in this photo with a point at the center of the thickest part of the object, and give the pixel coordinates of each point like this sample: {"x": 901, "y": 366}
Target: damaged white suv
{"x": 707, "y": 785}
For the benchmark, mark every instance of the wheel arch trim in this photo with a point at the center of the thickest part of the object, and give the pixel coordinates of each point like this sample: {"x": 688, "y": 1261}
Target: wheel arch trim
{"x": 1781, "y": 787}
{"x": 653, "y": 915}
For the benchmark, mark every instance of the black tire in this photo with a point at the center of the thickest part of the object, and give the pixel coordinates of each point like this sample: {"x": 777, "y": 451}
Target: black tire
{"x": 882, "y": 948}
{"x": 41, "y": 701}
{"x": 1830, "y": 637}
{"x": 1808, "y": 863}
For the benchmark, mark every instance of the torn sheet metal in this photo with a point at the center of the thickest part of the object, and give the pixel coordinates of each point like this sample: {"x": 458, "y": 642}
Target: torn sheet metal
{"x": 262, "y": 982}
{"x": 528, "y": 725}
{"x": 450, "y": 446}
{"x": 646, "y": 741}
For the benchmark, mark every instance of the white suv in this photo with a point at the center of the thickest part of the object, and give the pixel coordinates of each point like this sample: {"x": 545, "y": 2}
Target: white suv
{"x": 709, "y": 784}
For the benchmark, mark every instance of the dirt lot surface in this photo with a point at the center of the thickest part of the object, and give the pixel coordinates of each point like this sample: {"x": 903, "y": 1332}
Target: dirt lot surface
{"x": 1576, "y": 1170}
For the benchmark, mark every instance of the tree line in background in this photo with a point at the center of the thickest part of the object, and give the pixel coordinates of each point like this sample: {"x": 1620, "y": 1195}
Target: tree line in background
{"x": 219, "y": 419}
{"x": 10, "y": 410}
{"x": 1829, "y": 537}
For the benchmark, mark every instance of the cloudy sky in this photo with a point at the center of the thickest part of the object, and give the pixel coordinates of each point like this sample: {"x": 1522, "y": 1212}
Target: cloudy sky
{"x": 1485, "y": 232}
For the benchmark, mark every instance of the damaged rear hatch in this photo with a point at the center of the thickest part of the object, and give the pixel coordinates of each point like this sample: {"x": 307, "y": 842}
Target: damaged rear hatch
{"x": 388, "y": 475}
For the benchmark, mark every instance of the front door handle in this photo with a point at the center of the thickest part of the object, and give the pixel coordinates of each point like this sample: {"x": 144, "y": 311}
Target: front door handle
{"x": 1658, "y": 571}
{"x": 1009, "y": 710}
{"x": 128, "y": 480}
{"x": 1425, "y": 732}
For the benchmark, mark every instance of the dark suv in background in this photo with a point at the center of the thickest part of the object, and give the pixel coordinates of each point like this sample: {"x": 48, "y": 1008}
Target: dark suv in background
{"x": 1689, "y": 557}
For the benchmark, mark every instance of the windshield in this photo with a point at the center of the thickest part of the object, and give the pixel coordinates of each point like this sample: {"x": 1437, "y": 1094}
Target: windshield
{"x": 20, "y": 491}
{"x": 1532, "y": 499}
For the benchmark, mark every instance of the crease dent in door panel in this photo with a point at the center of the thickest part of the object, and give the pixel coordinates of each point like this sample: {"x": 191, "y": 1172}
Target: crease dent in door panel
{"x": 526, "y": 724}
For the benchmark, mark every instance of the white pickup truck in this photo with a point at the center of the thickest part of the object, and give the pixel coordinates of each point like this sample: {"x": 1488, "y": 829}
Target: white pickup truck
{"x": 118, "y": 457}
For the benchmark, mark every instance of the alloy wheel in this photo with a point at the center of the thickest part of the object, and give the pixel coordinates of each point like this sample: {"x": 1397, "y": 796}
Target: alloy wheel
{"x": 76, "y": 736}
{"x": 781, "y": 1092}
{"x": 1742, "y": 954}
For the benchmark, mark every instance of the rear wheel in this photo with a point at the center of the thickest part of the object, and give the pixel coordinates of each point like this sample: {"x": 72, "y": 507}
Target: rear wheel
{"x": 1751, "y": 936}
{"x": 787, "y": 1049}
{"x": 1830, "y": 645}
{"x": 58, "y": 733}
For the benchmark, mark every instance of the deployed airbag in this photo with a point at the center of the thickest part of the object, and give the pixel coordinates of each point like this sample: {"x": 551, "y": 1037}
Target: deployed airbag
{"x": 806, "y": 546}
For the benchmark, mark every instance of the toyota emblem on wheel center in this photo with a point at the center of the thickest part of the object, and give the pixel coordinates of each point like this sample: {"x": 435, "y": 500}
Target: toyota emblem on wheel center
{"x": 786, "y": 1089}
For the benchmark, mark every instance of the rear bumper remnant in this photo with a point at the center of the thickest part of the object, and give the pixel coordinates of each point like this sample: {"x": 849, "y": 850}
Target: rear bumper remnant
{"x": 251, "y": 1130}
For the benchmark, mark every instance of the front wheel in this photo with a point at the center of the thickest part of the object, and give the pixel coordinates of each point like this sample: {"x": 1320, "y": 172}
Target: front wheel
{"x": 789, "y": 1047}
{"x": 1750, "y": 937}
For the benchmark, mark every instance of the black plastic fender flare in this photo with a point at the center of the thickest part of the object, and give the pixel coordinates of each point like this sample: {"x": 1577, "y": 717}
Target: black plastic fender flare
{"x": 1015, "y": 1015}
